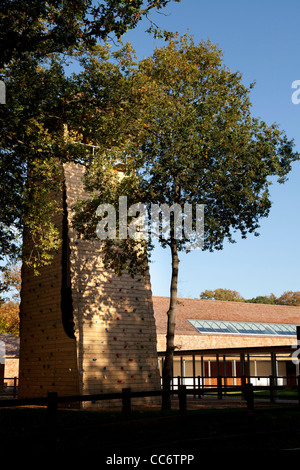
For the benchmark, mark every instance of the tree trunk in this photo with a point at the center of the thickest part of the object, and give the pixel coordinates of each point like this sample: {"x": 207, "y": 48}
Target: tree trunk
{"x": 168, "y": 364}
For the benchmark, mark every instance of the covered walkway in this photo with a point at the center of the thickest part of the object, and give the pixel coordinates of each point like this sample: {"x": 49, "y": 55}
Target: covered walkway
{"x": 261, "y": 365}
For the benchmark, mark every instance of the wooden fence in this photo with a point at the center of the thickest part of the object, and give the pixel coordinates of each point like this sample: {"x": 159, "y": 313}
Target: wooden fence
{"x": 247, "y": 391}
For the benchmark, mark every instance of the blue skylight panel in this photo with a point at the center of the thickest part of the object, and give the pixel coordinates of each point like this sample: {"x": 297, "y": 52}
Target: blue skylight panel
{"x": 243, "y": 328}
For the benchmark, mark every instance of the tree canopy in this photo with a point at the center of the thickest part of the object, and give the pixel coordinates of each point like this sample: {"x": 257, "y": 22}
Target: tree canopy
{"x": 42, "y": 27}
{"x": 50, "y": 119}
{"x": 289, "y": 298}
{"x": 222, "y": 294}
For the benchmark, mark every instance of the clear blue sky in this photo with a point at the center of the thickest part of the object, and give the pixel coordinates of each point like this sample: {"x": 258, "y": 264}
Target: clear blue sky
{"x": 261, "y": 40}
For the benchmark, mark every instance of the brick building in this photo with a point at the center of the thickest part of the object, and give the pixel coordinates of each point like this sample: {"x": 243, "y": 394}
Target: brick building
{"x": 215, "y": 331}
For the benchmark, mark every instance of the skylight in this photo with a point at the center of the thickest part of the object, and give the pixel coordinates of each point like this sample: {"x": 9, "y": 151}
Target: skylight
{"x": 243, "y": 328}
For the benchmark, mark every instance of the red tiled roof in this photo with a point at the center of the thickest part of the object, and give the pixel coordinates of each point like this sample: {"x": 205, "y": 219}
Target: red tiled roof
{"x": 220, "y": 310}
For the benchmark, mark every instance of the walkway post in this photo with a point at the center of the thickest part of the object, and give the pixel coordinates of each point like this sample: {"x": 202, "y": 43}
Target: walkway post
{"x": 249, "y": 396}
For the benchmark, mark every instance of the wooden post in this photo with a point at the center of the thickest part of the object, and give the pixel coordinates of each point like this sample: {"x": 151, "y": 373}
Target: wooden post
{"x": 219, "y": 387}
{"x": 224, "y": 373}
{"x": 199, "y": 386}
{"x": 182, "y": 398}
{"x": 202, "y": 371}
{"x": 15, "y": 387}
{"x": 126, "y": 404}
{"x": 181, "y": 367}
{"x": 243, "y": 375}
{"x": 274, "y": 373}
{"x": 272, "y": 397}
{"x": 194, "y": 375}
{"x": 249, "y": 396}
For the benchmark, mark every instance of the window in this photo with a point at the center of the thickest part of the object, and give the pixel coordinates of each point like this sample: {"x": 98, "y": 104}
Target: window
{"x": 243, "y": 328}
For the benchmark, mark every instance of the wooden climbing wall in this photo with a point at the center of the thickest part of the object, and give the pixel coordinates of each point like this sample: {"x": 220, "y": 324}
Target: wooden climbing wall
{"x": 114, "y": 343}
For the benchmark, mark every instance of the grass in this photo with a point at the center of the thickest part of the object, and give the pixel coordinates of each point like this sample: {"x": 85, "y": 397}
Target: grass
{"x": 198, "y": 431}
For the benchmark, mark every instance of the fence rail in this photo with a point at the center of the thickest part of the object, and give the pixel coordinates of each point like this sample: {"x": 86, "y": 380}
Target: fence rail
{"x": 12, "y": 388}
{"x": 247, "y": 391}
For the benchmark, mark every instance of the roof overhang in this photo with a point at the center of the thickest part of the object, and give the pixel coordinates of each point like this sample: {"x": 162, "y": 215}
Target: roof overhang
{"x": 254, "y": 350}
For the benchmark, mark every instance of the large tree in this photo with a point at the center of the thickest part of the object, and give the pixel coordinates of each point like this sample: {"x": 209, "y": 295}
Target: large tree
{"x": 41, "y": 27}
{"x": 37, "y": 39}
{"x": 201, "y": 146}
{"x": 49, "y": 119}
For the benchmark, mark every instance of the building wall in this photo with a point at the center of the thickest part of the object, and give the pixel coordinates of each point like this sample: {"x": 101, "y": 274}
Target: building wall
{"x": 114, "y": 344}
{"x": 199, "y": 341}
{"x": 11, "y": 370}
{"x": 48, "y": 358}
{"x": 114, "y": 319}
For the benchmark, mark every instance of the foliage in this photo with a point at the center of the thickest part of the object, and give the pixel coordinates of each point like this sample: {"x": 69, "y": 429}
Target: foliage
{"x": 51, "y": 119}
{"x": 9, "y": 318}
{"x": 43, "y": 27}
{"x": 222, "y": 294}
{"x": 263, "y": 299}
{"x": 37, "y": 40}
{"x": 291, "y": 298}
{"x": 10, "y": 282}
{"x": 31, "y": 139}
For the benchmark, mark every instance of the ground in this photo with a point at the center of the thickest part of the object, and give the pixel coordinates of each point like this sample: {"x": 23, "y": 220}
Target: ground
{"x": 199, "y": 432}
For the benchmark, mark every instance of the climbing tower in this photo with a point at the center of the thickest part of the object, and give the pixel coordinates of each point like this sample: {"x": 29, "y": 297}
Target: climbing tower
{"x": 83, "y": 330}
